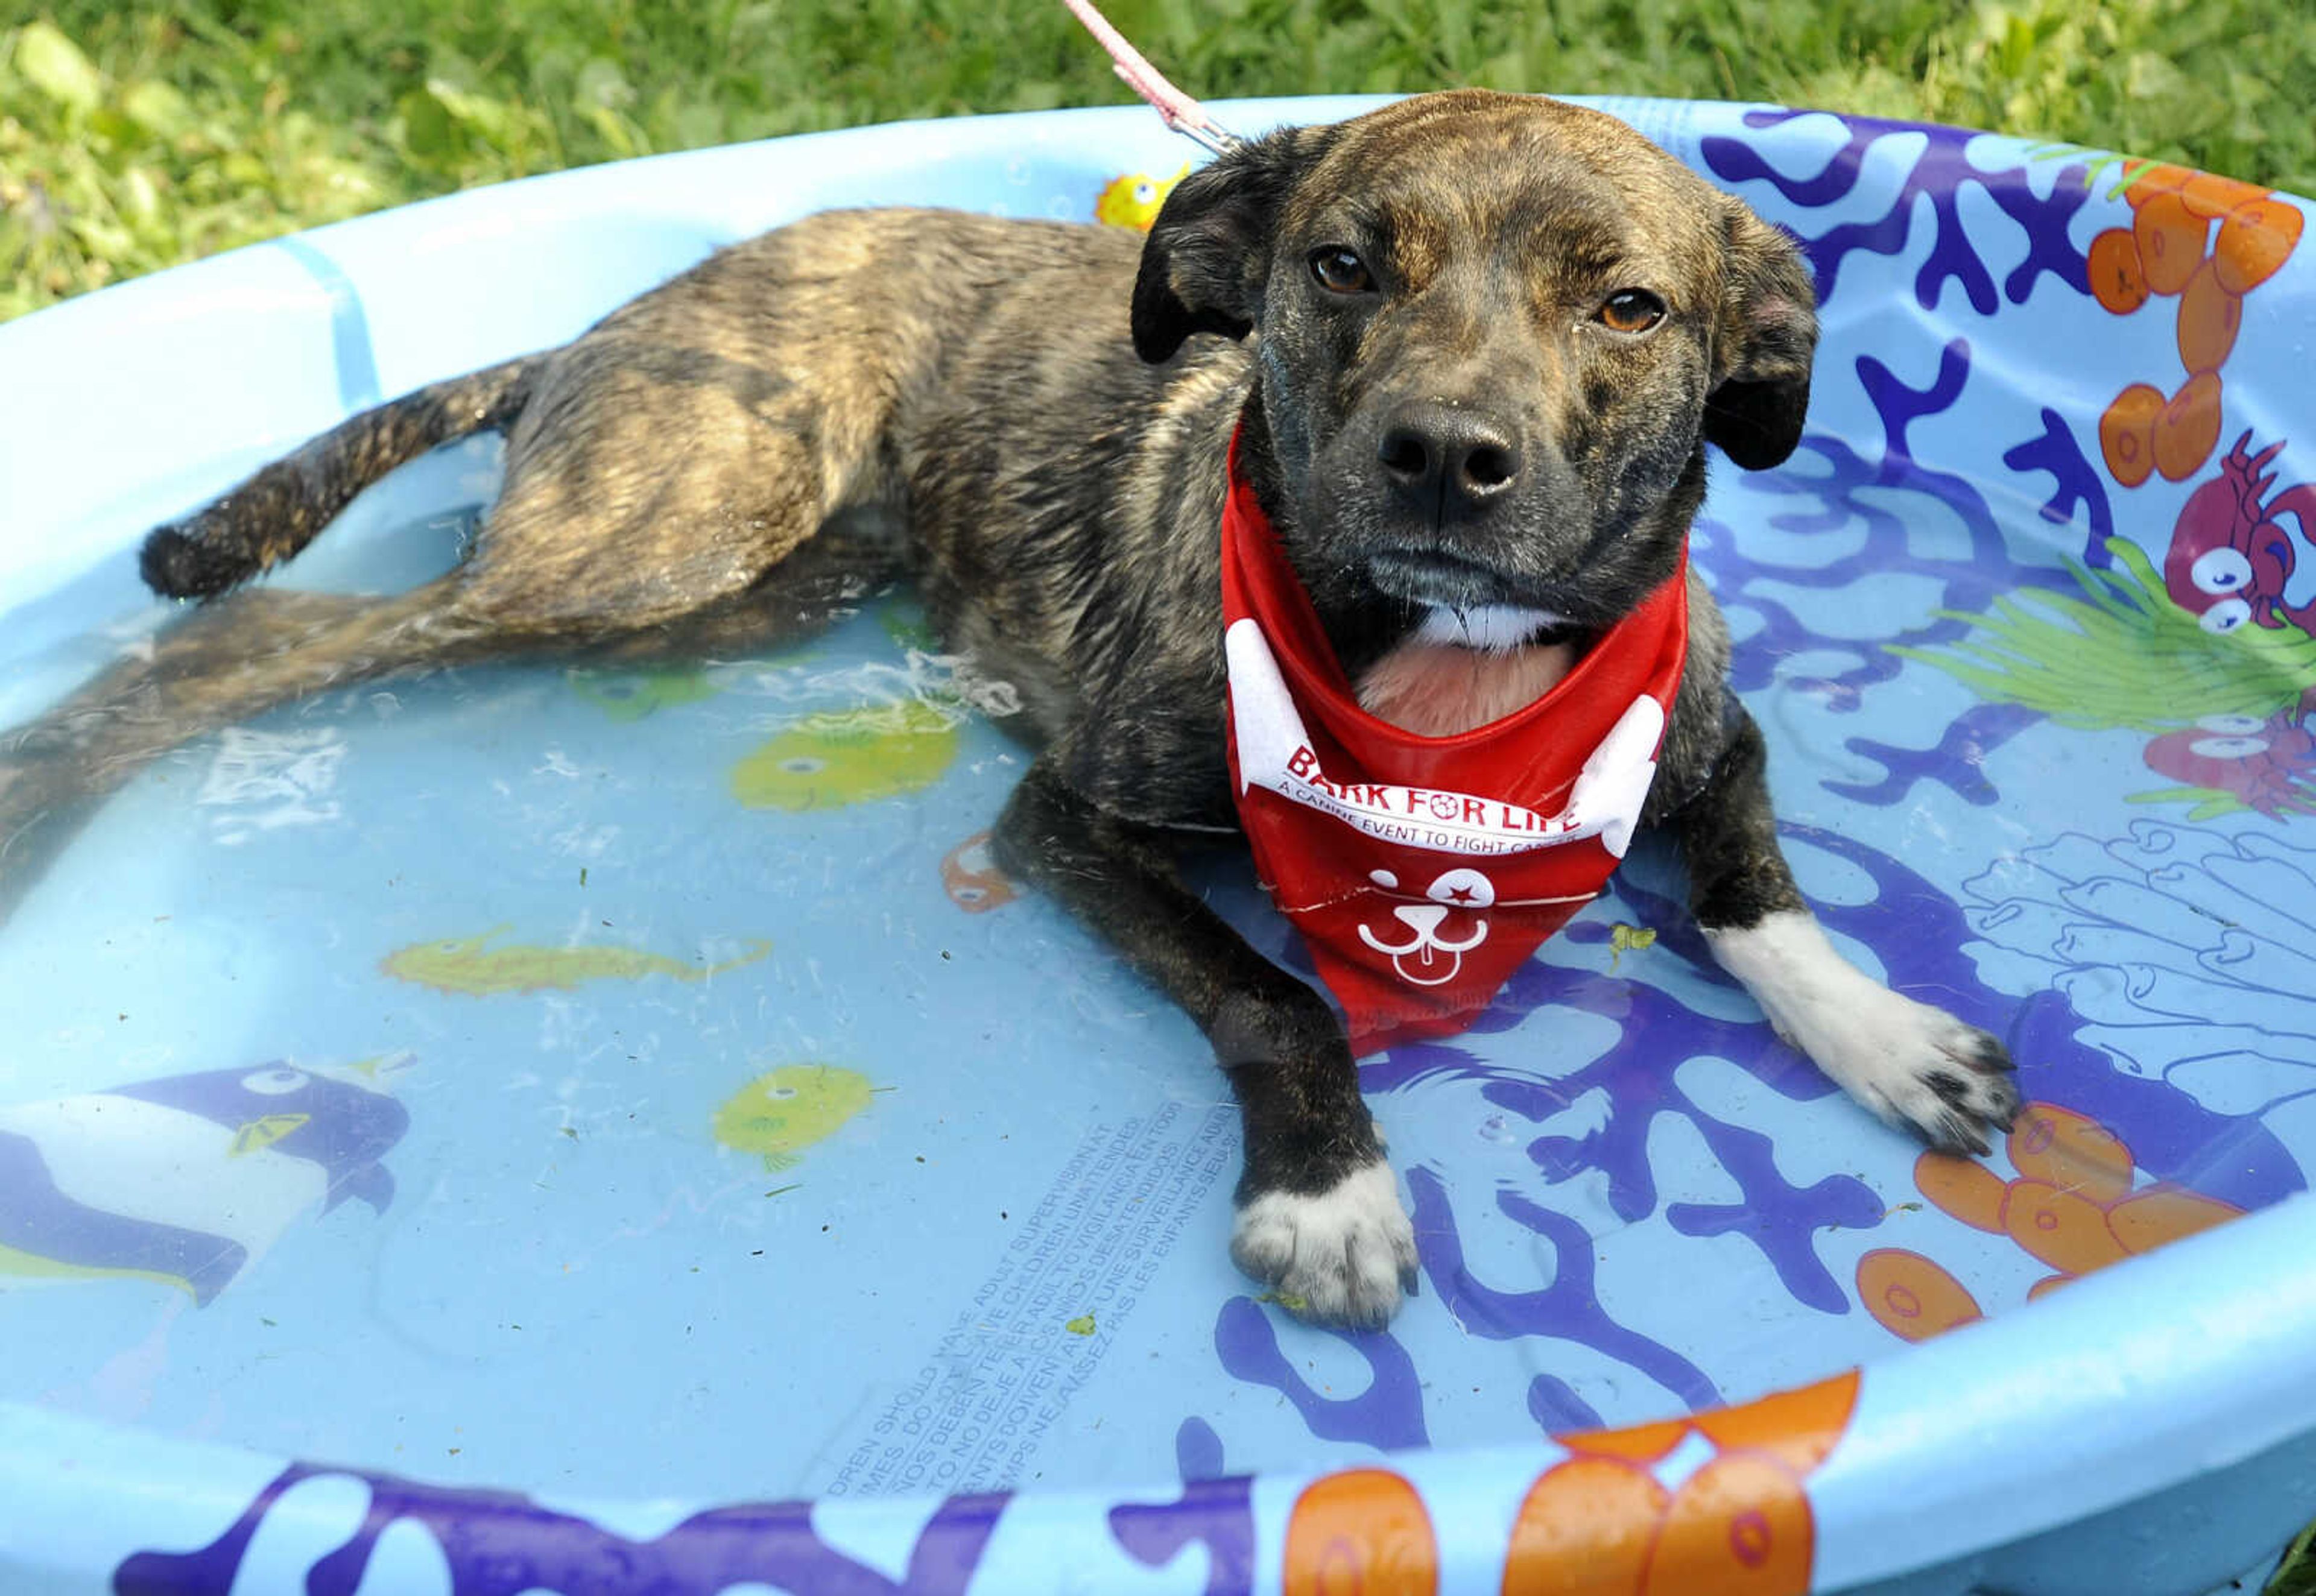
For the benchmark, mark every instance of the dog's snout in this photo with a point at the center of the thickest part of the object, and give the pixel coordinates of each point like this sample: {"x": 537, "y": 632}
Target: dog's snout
{"x": 1456, "y": 458}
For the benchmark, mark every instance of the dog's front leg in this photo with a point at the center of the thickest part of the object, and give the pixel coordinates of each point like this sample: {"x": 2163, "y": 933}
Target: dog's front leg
{"x": 1319, "y": 1215}
{"x": 1908, "y": 1062}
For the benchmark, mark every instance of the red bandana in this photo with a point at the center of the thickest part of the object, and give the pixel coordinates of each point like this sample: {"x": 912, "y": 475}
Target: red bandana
{"x": 1422, "y": 871}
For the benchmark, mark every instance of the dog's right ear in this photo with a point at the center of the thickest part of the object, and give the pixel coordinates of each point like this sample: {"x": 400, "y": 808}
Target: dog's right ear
{"x": 1209, "y": 251}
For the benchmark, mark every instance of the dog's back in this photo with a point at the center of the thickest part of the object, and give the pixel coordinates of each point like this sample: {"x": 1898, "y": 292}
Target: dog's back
{"x": 841, "y": 323}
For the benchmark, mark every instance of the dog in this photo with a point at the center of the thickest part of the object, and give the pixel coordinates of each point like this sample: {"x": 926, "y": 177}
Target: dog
{"x": 1464, "y": 353}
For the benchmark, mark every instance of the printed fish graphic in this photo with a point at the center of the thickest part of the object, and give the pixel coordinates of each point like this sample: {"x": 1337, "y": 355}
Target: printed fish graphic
{"x": 1135, "y": 199}
{"x": 778, "y": 1114}
{"x": 189, "y": 1179}
{"x": 634, "y": 694}
{"x": 463, "y": 964}
{"x": 848, "y": 756}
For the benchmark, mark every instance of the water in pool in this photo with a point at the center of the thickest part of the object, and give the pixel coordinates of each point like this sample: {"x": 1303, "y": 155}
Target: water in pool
{"x": 643, "y": 1083}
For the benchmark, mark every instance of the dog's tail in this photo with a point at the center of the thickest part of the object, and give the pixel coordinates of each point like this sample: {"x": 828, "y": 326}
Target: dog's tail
{"x": 268, "y": 518}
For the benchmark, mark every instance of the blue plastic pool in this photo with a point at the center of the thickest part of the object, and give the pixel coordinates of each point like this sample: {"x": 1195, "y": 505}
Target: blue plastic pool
{"x": 618, "y": 1131}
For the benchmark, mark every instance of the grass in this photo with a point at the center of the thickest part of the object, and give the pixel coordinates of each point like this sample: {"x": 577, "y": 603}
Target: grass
{"x": 136, "y": 136}
{"x": 2297, "y": 1577}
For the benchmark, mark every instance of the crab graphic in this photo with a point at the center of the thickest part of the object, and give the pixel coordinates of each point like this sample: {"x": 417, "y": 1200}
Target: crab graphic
{"x": 2234, "y": 762}
{"x": 2230, "y": 558}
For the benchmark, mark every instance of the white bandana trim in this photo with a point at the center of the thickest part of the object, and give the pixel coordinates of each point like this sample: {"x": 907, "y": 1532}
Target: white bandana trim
{"x": 1274, "y": 751}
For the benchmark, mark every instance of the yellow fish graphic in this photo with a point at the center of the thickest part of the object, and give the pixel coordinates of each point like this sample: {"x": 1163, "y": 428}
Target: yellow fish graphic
{"x": 632, "y": 695}
{"x": 462, "y": 964}
{"x": 848, "y": 756}
{"x": 1134, "y": 200}
{"x": 777, "y": 1115}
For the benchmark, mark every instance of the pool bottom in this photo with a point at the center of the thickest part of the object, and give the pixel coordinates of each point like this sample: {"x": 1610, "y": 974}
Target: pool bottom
{"x": 520, "y": 962}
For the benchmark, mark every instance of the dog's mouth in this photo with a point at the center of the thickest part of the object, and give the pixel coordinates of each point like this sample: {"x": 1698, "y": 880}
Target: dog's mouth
{"x": 1493, "y": 628}
{"x": 1440, "y": 580}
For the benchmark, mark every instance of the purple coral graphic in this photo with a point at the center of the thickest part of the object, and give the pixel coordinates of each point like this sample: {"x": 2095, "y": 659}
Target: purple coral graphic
{"x": 1920, "y": 935}
{"x": 1568, "y": 1309}
{"x": 1939, "y": 175}
{"x": 1556, "y": 1408}
{"x": 501, "y": 1543}
{"x": 1637, "y": 1075}
{"x": 1956, "y": 762}
{"x": 1854, "y": 491}
{"x": 1389, "y": 1413}
{"x": 2075, "y": 484}
{"x": 1213, "y": 1510}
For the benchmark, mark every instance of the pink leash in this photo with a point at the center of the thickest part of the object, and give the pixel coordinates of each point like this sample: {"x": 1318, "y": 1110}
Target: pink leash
{"x": 1183, "y": 114}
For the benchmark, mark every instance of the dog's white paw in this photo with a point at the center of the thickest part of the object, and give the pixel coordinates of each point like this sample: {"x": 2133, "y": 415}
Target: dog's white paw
{"x": 1918, "y": 1066}
{"x": 1911, "y": 1064}
{"x": 1339, "y": 1256}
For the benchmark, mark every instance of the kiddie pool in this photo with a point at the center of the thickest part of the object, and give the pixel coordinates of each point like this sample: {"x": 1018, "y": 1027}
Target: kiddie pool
{"x": 536, "y": 1130}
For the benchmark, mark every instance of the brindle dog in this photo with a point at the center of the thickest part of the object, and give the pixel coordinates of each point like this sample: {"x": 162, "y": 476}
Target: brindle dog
{"x": 1490, "y": 337}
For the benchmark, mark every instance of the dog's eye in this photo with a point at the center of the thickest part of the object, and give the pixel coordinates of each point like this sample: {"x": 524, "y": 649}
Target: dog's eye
{"x": 1340, "y": 271}
{"x": 1631, "y": 310}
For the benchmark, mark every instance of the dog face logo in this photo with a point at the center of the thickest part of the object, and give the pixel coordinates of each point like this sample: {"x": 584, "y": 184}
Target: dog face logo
{"x": 1430, "y": 956}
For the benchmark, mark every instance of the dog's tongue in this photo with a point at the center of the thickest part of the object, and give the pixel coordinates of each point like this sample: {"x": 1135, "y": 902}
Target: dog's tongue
{"x": 1437, "y": 690}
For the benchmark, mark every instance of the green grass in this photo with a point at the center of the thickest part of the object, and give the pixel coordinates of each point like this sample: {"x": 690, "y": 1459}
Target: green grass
{"x": 135, "y": 136}
{"x": 2297, "y": 1577}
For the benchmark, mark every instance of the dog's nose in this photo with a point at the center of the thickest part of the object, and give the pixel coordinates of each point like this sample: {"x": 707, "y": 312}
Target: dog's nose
{"x": 1455, "y": 458}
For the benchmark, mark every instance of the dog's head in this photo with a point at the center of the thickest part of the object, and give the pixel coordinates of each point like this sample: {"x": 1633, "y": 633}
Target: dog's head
{"x": 1494, "y": 332}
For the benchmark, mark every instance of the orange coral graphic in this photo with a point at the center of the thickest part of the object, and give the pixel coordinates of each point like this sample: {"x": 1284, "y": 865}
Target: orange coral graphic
{"x": 1586, "y": 1530}
{"x": 2169, "y": 249}
{"x": 1602, "y": 1523}
{"x": 2071, "y": 1209}
{"x": 1912, "y": 1297}
{"x": 1364, "y": 1532}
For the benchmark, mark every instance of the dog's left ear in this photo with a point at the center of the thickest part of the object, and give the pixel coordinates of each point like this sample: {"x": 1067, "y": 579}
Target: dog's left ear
{"x": 1208, "y": 253}
{"x": 1767, "y": 335}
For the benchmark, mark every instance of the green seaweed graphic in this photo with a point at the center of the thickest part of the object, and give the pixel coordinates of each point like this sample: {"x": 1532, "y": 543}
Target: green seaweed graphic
{"x": 2212, "y": 803}
{"x": 2123, "y": 655}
